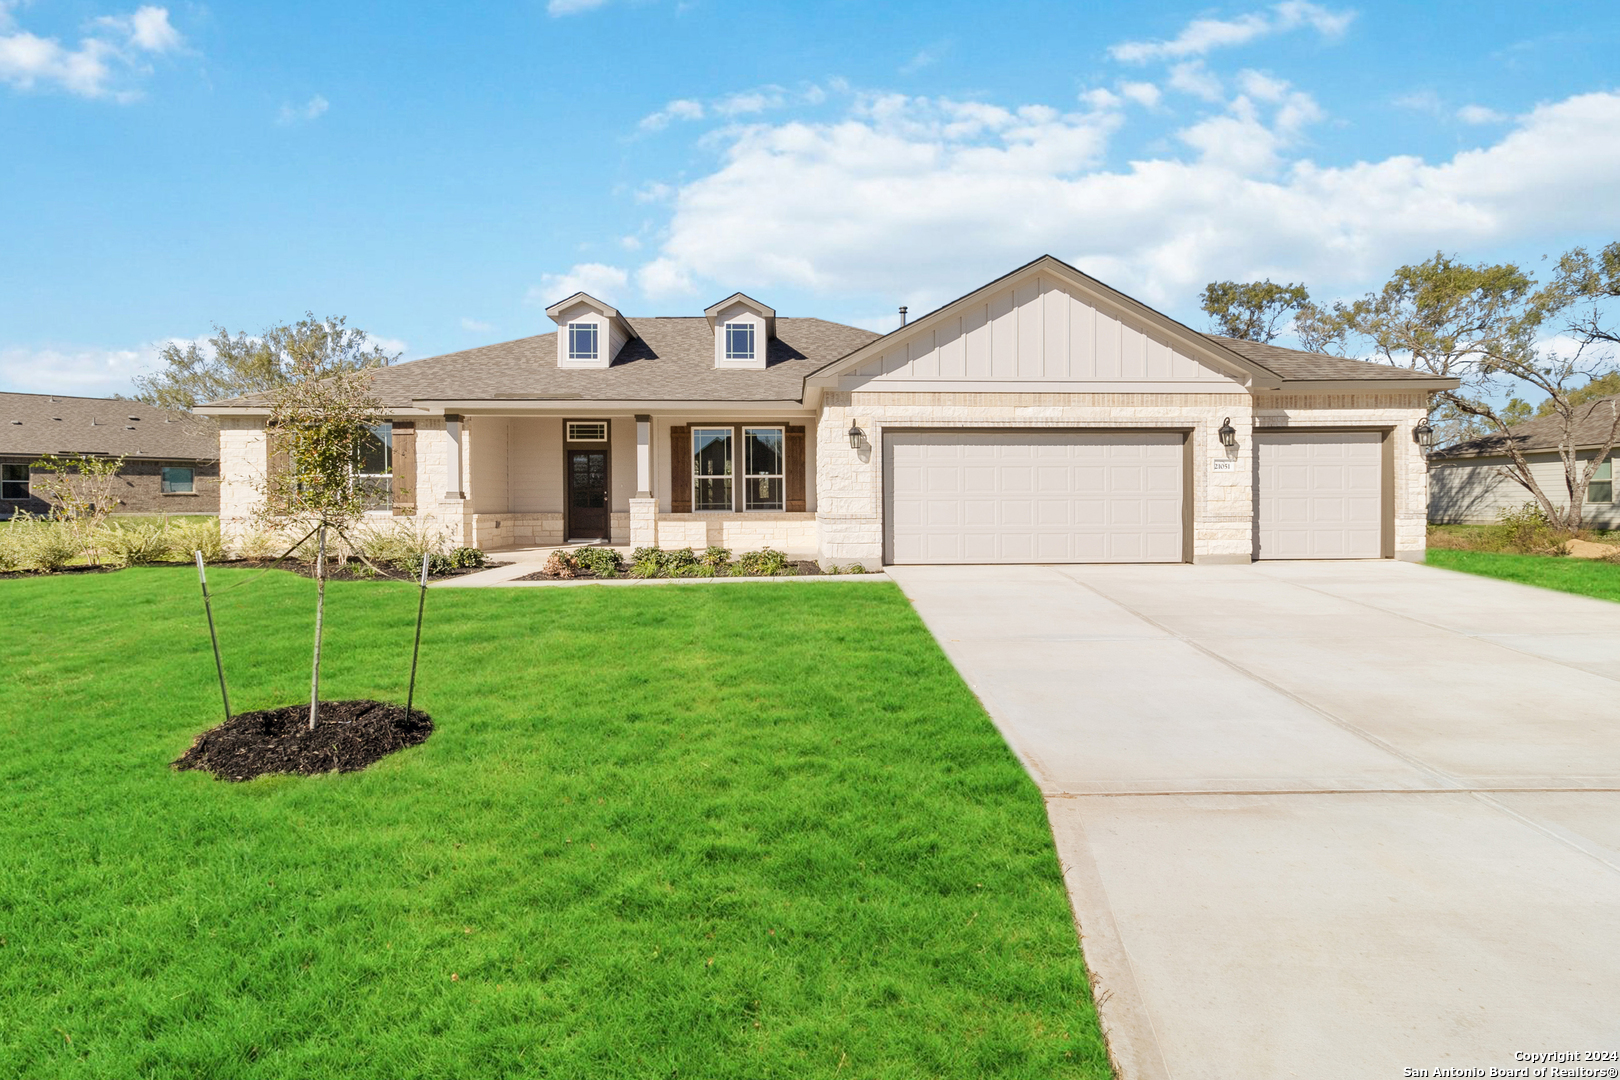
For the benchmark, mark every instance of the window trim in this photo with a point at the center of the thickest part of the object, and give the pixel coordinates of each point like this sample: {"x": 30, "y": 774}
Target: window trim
{"x": 595, "y": 330}
{"x": 781, "y": 431}
{"x": 26, "y": 481}
{"x": 163, "y": 480}
{"x": 730, "y": 475}
{"x": 732, "y": 355}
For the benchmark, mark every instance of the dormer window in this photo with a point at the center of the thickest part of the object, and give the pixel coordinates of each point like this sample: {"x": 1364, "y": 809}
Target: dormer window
{"x": 582, "y": 341}
{"x": 739, "y": 341}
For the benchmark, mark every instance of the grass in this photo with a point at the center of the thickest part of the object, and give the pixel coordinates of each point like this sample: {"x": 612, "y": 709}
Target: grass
{"x": 1585, "y": 577}
{"x": 685, "y": 832}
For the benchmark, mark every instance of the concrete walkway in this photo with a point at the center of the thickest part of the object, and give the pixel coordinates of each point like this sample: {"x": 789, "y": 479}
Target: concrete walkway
{"x": 1316, "y": 819}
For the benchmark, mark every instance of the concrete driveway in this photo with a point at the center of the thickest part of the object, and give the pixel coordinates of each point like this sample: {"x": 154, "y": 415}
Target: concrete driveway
{"x": 1316, "y": 819}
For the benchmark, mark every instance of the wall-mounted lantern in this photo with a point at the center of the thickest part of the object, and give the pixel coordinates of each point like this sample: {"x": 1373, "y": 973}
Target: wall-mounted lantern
{"x": 855, "y": 436}
{"x": 1423, "y": 434}
{"x": 1228, "y": 433}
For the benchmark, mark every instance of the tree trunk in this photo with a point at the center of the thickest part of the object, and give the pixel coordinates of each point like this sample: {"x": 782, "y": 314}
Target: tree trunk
{"x": 320, "y": 611}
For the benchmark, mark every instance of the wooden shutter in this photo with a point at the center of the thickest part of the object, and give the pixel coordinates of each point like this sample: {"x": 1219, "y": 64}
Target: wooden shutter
{"x": 795, "y": 468}
{"x": 403, "y": 494}
{"x": 278, "y": 463}
{"x": 680, "y": 470}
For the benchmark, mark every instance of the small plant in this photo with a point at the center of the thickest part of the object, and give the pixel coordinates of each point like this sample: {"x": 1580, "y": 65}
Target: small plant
{"x": 13, "y": 543}
{"x": 257, "y": 544}
{"x": 678, "y": 559}
{"x": 766, "y": 562}
{"x": 203, "y": 536}
{"x": 1528, "y": 531}
{"x": 604, "y": 562}
{"x": 716, "y": 556}
{"x": 561, "y": 564}
{"x": 50, "y": 545}
{"x": 138, "y": 544}
{"x": 855, "y": 568}
{"x": 464, "y": 558}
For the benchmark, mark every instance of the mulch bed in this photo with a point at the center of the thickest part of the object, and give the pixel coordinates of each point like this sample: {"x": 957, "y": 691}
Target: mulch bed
{"x": 64, "y": 570}
{"x": 354, "y": 570}
{"x": 348, "y": 736}
{"x": 806, "y": 568}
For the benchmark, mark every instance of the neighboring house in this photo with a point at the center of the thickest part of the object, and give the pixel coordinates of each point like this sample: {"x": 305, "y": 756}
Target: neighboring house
{"x": 1044, "y": 417}
{"x": 1468, "y": 487}
{"x": 171, "y": 457}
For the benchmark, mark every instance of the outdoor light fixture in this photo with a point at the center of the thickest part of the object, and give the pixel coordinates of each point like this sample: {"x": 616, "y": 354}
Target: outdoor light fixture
{"x": 1228, "y": 433}
{"x": 855, "y": 436}
{"x": 1424, "y": 434}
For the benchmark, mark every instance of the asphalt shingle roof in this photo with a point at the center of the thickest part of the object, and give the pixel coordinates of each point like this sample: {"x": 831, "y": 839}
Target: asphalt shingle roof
{"x": 39, "y": 424}
{"x": 1294, "y": 364}
{"x": 1592, "y": 422}
{"x": 670, "y": 359}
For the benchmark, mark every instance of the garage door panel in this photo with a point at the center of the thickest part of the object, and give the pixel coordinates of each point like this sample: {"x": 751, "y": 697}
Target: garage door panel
{"x": 1035, "y": 497}
{"x": 1319, "y": 495}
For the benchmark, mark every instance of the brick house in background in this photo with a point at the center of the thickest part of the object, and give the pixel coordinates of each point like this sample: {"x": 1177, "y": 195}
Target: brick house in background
{"x": 1043, "y": 417}
{"x": 171, "y": 457}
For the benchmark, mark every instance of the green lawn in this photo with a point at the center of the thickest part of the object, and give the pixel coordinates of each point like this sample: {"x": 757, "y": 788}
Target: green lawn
{"x": 1584, "y": 576}
{"x": 691, "y": 831}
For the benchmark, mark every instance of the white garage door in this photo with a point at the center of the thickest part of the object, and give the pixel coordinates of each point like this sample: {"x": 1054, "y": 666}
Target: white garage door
{"x": 1319, "y": 495}
{"x": 1022, "y": 497}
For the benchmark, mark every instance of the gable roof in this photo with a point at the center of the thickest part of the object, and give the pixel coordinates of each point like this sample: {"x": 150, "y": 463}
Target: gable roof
{"x": 34, "y": 425}
{"x": 671, "y": 359}
{"x": 1592, "y": 423}
{"x": 1296, "y": 365}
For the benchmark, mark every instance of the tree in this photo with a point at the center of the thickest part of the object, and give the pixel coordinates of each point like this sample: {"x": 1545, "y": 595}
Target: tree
{"x": 320, "y": 420}
{"x": 231, "y": 366}
{"x": 79, "y": 488}
{"x": 1252, "y": 310}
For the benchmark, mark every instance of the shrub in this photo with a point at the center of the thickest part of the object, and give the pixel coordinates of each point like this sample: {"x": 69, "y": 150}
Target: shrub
{"x": 854, "y": 568}
{"x": 49, "y": 545}
{"x": 138, "y": 544}
{"x": 604, "y": 562}
{"x": 203, "y": 536}
{"x": 402, "y": 543}
{"x": 561, "y": 564}
{"x": 715, "y": 556}
{"x": 1528, "y": 531}
{"x": 13, "y": 542}
{"x": 766, "y": 562}
{"x": 678, "y": 559}
{"x": 464, "y": 558}
{"x": 258, "y": 544}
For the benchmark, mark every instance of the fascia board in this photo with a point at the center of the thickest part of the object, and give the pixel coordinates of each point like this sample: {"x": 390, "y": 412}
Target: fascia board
{"x": 539, "y": 406}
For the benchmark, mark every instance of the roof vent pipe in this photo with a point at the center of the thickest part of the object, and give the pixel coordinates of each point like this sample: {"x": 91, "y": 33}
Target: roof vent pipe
{"x": 902, "y": 315}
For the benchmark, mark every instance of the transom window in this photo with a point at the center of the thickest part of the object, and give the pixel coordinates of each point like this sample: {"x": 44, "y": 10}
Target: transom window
{"x": 1601, "y": 489}
{"x": 587, "y": 431}
{"x": 711, "y": 468}
{"x": 177, "y": 480}
{"x": 581, "y": 341}
{"x": 13, "y": 480}
{"x": 763, "y": 479}
{"x": 374, "y": 471}
{"x": 739, "y": 341}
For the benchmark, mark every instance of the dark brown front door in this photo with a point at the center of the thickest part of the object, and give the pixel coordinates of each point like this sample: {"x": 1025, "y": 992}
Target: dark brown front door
{"x": 587, "y": 495}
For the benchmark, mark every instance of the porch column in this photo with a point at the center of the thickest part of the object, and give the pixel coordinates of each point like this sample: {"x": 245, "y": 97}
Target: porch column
{"x": 452, "y": 456}
{"x": 643, "y": 508}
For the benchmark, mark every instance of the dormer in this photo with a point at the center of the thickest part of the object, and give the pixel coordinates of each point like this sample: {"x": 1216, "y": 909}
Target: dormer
{"x": 743, "y": 328}
{"x": 589, "y": 332}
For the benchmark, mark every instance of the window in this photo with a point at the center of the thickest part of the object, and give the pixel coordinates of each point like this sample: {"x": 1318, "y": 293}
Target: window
{"x": 763, "y": 486}
{"x": 587, "y": 431}
{"x": 177, "y": 481}
{"x": 739, "y": 341}
{"x": 374, "y": 472}
{"x": 1601, "y": 489}
{"x": 581, "y": 341}
{"x": 13, "y": 480}
{"x": 711, "y": 469}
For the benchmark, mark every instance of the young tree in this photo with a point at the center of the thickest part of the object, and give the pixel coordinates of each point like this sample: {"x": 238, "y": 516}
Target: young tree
{"x": 319, "y": 422}
{"x": 79, "y": 488}
{"x": 230, "y": 366}
{"x": 1252, "y": 310}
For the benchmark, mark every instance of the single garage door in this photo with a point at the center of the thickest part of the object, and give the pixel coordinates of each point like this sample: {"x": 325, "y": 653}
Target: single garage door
{"x": 1032, "y": 497}
{"x": 1319, "y": 495}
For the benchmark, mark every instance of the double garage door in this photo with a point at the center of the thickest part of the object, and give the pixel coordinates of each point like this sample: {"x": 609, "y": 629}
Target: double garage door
{"x": 1077, "y": 496}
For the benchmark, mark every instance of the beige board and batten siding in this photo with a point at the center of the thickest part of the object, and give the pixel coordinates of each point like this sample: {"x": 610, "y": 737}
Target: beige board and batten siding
{"x": 1473, "y": 491}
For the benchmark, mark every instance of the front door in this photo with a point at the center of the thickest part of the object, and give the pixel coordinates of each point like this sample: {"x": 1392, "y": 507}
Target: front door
{"x": 587, "y": 495}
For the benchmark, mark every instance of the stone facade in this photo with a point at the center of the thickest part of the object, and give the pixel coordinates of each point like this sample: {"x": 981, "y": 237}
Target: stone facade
{"x": 795, "y": 534}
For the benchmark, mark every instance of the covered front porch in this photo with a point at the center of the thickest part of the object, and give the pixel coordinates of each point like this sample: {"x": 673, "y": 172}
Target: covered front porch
{"x": 670, "y": 480}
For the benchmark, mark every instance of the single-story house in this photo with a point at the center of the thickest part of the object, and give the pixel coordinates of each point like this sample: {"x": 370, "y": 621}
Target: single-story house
{"x": 1043, "y": 417}
{"x": 1469, "y": 488}
{"x": 171, "y": 457}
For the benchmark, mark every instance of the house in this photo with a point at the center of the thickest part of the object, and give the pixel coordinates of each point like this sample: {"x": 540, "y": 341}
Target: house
{"x": 171, "y": 457}
{"x": 1468, "y": 486}
{"x": 1043, "y": 417}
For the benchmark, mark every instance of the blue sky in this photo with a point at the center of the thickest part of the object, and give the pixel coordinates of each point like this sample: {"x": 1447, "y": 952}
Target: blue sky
{"x": 438, "y": 173}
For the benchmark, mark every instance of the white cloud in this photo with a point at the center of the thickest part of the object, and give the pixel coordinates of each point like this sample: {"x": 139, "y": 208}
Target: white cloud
{"x": 927, "y": 56}
{"x": 630, "y": 243}
{"x": 1195, "y": 79}
{"x": 751, "y": 101}
{"x": 1144, "y": 94}
{"x": 1203, "y": 36}
{"x": 86, "y": 372}
{"x": 1479, "y": 114}
{"x": 681, "y": 109}
{"x": 1424, "y": 101}
{"x": 476, "y": 326}
{"x": 600, "y": 280}
{"x": 1100, "y": 99}
{"x": 929, "y": 195}
{"x": 309, "y": 110}
{"x": 103, "y": 64}
{"x": 556, "y": 8}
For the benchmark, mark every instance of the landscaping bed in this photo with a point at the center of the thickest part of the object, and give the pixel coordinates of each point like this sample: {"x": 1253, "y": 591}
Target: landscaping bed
{"x": 348, "y": 736}
{"x": 645, "y": 562}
